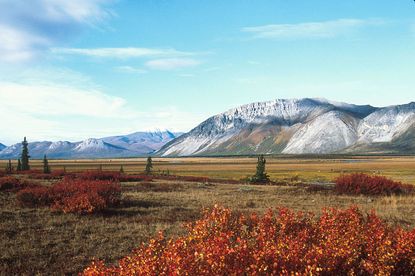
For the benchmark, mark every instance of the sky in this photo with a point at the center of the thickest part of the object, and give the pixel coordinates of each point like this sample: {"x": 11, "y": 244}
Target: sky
{"x": 71, "y": 70}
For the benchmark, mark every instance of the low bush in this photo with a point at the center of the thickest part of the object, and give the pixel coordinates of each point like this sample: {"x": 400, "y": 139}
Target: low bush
{"x": 73, "y": 196}
{"x": 85, "y": 196}
{"x": 339, "y": 242}
{"x": 135, "y": 178}
{"x": 99, "y": 175}
{"x": 30, "y": 172}
{"x": 360, "y": 183}
{"x": 34, "y": 196}
{"x": 47, "y": 176}
{"x": 12, "y": 184}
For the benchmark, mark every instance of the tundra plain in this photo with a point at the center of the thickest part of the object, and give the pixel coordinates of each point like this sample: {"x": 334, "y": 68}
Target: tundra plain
{"x": 38, "y": 241}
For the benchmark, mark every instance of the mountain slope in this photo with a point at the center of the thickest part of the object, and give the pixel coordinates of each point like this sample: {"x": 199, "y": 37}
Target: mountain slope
{"x": 136, "y": 144}
{"x": 2, "y": 147}
{"x": 142, "y": 142}
{"x": 296, "y": 126}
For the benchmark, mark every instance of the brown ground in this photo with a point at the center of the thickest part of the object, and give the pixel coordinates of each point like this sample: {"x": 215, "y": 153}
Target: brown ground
{"x": 39, "y": 241}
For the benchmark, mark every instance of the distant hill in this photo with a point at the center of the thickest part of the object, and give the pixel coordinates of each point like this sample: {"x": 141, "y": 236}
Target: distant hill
{"x": 300, "y": 126}
{"x": 2, "y": 146}
{"x": 132, "y": 145}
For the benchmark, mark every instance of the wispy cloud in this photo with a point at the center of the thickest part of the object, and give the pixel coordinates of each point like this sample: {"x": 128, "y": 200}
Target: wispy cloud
{"x": 121, "y": 53}
{"x": 27, "y": 29}
{"x": 172, "y": 63}
{"x": 129, "y": 70}
{"x": 61, "y": 100}
{"x": 18, "y": 45}
{"x": 325, "y": 29}
{"x": 56, "y": 105}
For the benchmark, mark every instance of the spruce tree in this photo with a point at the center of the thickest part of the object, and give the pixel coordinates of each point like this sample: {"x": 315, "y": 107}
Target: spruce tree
{"x": 46, "y": 168}
{"x": 19, "y": 165}
{"x": 122, "y": 169}
{"x": 260, "y": 175}
{"x": 25, "y": 156}
{"x": 9, "y": 167}
{"x": 149, "y": 165}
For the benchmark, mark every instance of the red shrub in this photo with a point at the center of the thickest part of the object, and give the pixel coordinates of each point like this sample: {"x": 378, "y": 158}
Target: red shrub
{"x": 34, "y": 196}
{"x": 99, "y": 175}
{"x": 31, "y": 172}
{"x": 12, "y": 184}
{"x": 135, "y": 178}
{"x": 47, "y": 176}
{"x": 73, "y": 196}
{"x": 83, "y": 196}
{"x": 81, "y": 203}
{"x": 360, "y": 183}
{"x": 340, "y": 242}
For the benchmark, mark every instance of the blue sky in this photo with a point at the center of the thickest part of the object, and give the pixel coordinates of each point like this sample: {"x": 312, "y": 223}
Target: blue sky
{"x": 91, "y": 68}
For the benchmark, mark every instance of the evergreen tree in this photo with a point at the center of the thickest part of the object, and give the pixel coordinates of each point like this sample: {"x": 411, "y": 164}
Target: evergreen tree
{"x": 9, "y": 167}
{"x": 149, "y": 165}
{"x": 19, "y": 165}
{"x": 260, "y": 175}
{"x": 64, "y": 169}
{"x": 46, "y": 167}
{"x": 122, "y": 169}
{"x": 25, "y": 156}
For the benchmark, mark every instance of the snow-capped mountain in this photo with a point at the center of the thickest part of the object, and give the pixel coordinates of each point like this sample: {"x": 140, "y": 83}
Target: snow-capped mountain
{"x": 2, "y": 147}
{"x": 299, "y": 126}
{"x": 142, "y": 142}
{"x": 136, "y": 144}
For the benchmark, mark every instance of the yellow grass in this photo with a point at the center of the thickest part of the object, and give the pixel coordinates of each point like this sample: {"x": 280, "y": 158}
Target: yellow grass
{"x": 308, "y": 169}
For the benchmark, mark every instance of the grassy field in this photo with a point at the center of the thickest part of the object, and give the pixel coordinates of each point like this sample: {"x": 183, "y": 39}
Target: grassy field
{"x": 37, "y": 241}
{"x": 308, "y": 169}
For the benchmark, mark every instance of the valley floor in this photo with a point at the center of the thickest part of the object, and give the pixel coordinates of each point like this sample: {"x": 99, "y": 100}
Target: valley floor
{"x": 39, "y": 241}
{"x": 401, "y": 168}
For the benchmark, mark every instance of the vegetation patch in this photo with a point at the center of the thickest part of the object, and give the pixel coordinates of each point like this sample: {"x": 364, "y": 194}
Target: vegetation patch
{"x": 73, "y": 196}
{"x": 226, "y": 243}
{"x": 360, "y": 183}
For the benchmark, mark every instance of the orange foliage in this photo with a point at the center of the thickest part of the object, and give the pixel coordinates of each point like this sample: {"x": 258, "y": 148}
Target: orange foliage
{"x": 73, "y": 196}
{"x": 360, "y": 183}
{"x": 224, "y": 243}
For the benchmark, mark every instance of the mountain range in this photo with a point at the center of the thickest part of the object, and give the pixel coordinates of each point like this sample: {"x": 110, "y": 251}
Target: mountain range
{"x": 132, "y": 145}
{"x": 282, "y": 126}
{"x": 300, "y": 126}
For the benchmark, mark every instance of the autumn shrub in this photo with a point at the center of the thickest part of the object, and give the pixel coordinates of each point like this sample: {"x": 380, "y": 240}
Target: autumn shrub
{"x": 135, "y": 177}
{"x": 13, "y": 184}
{"x": 73, "y": 196}
{"x": 81, "y": 203}
{"x": 339, "y": 242}
{"x": 99, "y": 175}
{"x": 31, "y": 172}
{"x": 48, "y": 176}
{"x": 84, "y": 196}
{"x": 34, "y": 196}
{"x": 360, "y": 183}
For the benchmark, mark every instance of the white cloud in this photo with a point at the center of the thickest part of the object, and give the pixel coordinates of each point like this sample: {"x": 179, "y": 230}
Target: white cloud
{"x": 28, "y": 29}
{"x": 64, "y": 105}
{"x": 120, "y": 53}
{"x": 17, "y": 45}
{"x": 129, "y": 70}
{"x": 171, "y": 63}
{"x": 326, "y": 29}
{"x": 58, "y": 100}
{"x": 84, "y": 11}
